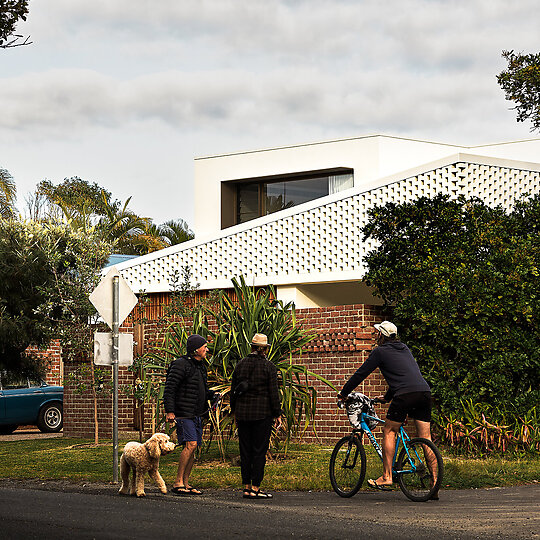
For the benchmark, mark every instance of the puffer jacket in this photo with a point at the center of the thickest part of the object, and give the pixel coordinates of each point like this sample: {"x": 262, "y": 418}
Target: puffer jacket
{"x": 186, "y": 388}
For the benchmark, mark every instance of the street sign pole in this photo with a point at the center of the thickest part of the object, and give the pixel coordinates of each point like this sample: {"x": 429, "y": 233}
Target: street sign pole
{"x": 123, "y": 301}
{"x": 115, "y": 349}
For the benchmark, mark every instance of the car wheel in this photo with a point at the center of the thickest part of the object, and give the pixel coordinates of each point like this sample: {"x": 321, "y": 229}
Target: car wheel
{"x": 51, "y": 418}
{"x": 6, "y": 430}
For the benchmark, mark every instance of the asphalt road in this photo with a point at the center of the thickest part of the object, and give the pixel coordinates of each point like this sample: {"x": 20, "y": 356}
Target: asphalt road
{"x": 57, "y": 510}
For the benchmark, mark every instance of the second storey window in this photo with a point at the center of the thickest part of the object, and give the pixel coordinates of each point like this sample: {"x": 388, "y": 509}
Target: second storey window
{"x": 260, "y": 197}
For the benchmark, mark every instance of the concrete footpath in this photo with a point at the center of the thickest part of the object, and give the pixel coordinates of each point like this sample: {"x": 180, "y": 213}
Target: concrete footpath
{"x": 34, "y": 509}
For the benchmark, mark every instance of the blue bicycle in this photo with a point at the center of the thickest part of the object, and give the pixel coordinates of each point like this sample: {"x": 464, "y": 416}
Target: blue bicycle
{"x": 417, "y": 465}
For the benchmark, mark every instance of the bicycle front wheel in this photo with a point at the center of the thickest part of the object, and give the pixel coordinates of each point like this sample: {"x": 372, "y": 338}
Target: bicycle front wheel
{"x": 347, "y": 466}
{"x": 419, "y": 469}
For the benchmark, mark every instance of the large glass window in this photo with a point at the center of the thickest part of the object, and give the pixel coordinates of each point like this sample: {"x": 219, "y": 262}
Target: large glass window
{"x": 260, "y": 198}
{"x": 248, "y": 202}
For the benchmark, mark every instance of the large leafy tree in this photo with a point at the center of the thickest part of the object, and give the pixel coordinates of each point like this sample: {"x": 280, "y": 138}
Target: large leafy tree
{"x": 521, "y": 85}
{"x": 8, "y": 194}
{"x": 462, "y": 279}
{"x": 76, "y": 197}
{"x": 11, "y": 13}
{"x": 46, "y": 274}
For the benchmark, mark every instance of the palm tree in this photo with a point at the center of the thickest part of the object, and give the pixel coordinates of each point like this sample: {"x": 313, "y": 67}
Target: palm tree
{"x": 129, "y": 233}
{"x": 8, "y": 195}
{"x": 174, "y": 231}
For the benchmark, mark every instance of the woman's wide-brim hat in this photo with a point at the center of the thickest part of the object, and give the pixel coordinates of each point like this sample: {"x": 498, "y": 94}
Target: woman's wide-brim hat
{"x": 260, "y": 340}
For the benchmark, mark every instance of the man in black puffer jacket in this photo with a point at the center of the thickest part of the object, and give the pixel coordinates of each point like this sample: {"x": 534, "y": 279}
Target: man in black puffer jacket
{"x": 185, "y": 401}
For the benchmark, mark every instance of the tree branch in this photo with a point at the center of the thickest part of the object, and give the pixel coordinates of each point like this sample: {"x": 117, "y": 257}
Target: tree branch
{"x": 13, "y": 42}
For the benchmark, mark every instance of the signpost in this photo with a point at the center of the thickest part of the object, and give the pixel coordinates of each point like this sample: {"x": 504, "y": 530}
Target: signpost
{"x": 103, "y": 349}
{"x": 114, "y": 301}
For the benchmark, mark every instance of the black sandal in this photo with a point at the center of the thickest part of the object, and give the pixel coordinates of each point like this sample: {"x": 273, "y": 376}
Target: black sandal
{"x": 381, "y": 487}
{"x": 260, "y": 494}
{"x": 247, "y": 493}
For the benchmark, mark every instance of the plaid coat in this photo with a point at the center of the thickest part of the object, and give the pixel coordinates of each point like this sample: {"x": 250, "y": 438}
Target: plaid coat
{"x": 261, "y": 399}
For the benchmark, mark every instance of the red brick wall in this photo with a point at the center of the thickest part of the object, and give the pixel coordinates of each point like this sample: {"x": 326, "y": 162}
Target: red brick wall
{"x": 79, "y": 407}
{"x": 344, "y": 339}
{"x": 52, "y": 357}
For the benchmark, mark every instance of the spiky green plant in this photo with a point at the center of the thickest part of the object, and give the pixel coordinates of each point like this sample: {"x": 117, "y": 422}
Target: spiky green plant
{"x": 229, "y": 328}
{"x": 481, "y": 429}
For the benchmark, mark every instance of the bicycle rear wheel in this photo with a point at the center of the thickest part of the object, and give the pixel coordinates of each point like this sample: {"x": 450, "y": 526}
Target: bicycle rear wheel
{"x": 347, "y": 466}
{"x": 419, "y": 469}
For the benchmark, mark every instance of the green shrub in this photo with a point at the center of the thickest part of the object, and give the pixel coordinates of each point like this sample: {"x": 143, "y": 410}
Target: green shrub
{"x": 462, "y": 281}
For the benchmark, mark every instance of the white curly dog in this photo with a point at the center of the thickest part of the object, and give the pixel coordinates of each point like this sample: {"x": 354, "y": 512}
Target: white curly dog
{"x": 143, "y": 458}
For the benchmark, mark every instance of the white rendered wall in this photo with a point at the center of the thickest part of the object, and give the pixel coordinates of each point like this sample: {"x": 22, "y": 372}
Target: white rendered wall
{"x": 527, "y": 150}
{"x": 371, "y": 157}
{"x": 397, "y": 155}
{"x": 294, "y": 294}
{"x": 328, "y": 294}
{"x": 320, "y": 241}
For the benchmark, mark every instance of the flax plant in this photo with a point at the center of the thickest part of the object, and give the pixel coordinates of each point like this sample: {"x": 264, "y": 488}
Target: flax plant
{"x": 229, "y": 328}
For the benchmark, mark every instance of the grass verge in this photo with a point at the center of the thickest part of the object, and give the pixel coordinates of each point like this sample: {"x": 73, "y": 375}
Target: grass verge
{"x": 305, "y": 467}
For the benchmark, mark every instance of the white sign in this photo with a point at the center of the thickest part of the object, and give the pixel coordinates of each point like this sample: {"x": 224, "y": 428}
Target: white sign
{"x": 103, "y": 349}
{"x": 102, "y": 298}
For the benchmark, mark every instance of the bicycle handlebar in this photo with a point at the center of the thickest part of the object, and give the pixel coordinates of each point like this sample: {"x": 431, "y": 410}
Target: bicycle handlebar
{"x": 341, "y": 403}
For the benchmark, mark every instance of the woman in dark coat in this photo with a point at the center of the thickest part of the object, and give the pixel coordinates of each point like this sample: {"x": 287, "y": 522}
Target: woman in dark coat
{"x": 256, "y": 405}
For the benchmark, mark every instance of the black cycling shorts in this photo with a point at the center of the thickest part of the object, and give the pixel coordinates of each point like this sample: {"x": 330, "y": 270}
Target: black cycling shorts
{"x": 416, "y": 405}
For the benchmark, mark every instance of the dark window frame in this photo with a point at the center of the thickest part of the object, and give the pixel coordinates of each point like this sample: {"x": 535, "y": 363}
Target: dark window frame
{"x": 230, "y": 189}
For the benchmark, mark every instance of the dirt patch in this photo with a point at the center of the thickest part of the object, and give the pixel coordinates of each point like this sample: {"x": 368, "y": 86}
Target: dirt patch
{"x": 86, "y": 445}
{"x": 26, "y": 433}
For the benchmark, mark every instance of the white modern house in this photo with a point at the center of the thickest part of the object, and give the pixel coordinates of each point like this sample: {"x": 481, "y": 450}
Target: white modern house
{"x": 292, "y": 216}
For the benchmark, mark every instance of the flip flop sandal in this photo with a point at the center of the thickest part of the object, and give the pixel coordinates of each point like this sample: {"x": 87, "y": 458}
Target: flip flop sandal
{"x": 260, "y": 494}
{"x": 194, "y": 491}
{"x": 247, "y": 494}
{"x": 371, "y": 483}
{"x": 180, "y": 490}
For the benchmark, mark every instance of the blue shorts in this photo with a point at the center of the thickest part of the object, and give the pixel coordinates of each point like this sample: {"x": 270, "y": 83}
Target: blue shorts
{"x": 189, "y": 430}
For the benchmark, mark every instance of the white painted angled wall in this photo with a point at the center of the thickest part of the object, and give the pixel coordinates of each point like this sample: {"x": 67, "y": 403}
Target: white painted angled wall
{"x": 320, "y": 241}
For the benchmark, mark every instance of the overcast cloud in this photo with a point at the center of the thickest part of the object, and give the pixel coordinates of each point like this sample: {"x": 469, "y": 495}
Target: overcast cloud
{"x": 127, "y": 93}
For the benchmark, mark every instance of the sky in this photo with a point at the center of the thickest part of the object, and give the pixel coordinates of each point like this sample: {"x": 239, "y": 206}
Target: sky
{"x": 126, "y": 93}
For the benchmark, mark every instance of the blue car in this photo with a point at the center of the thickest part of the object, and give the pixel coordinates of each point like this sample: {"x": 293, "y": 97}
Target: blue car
{"x": 24, "y": 402}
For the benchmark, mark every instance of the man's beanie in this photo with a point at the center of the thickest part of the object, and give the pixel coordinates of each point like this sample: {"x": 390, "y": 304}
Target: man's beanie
{"x": 194, "y": 342}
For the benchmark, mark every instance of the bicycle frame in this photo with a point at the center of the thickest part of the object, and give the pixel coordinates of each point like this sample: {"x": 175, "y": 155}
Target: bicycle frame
{"x": 417, "y": 465}
{"x": 401, "y": 440}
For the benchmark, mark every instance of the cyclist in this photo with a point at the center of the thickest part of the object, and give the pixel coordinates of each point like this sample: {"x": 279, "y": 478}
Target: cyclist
{"x": 408, "y": 392}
